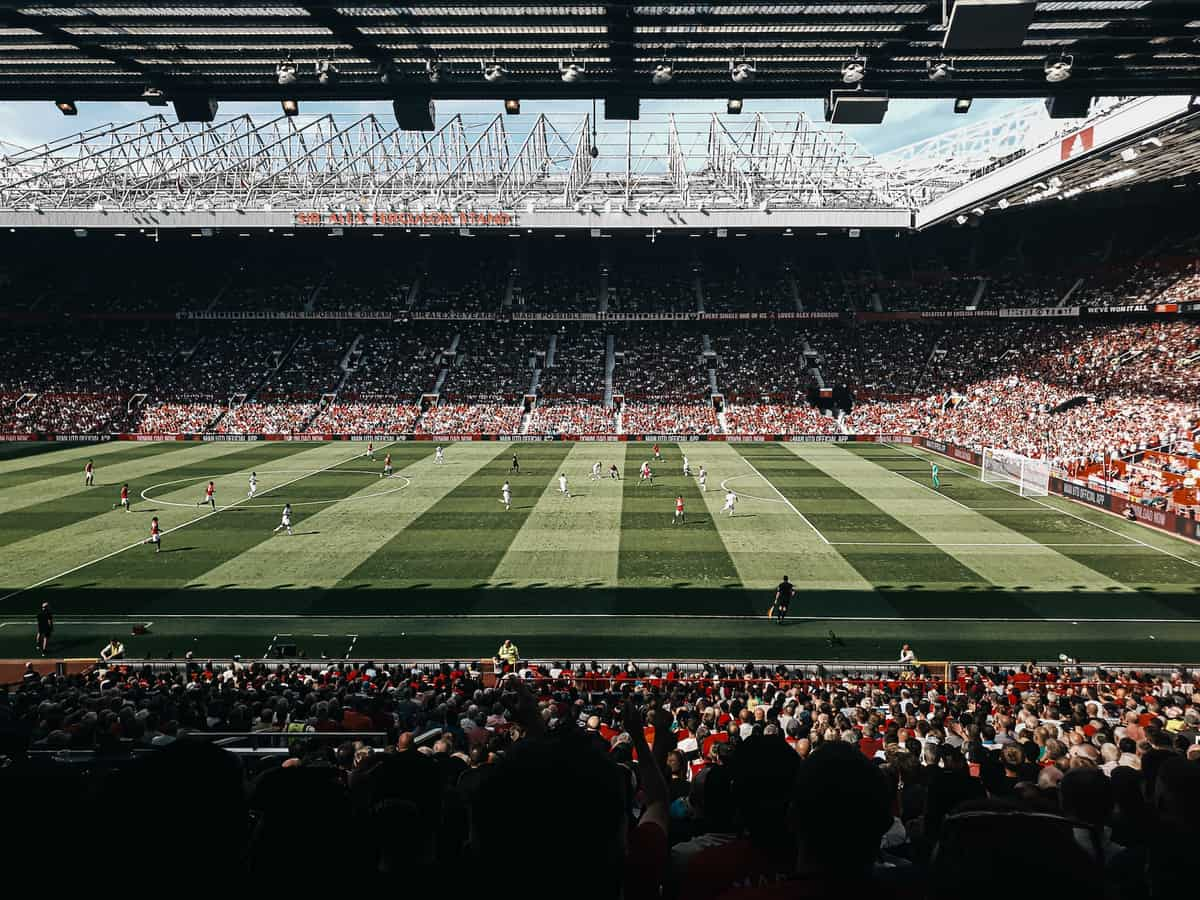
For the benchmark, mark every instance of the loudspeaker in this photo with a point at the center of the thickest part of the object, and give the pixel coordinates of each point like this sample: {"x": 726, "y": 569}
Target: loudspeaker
{"x": 414, "y": 113}
{"x": 626, "y": 109}
{"x": 856, "y": 107}
{"x": 195, "y": 108}
{"x": 1068, "y": 106}
{"x": 988, "y": 24}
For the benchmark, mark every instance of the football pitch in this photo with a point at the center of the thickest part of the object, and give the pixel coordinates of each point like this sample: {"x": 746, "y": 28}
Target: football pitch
{"x": 428, "y": 563}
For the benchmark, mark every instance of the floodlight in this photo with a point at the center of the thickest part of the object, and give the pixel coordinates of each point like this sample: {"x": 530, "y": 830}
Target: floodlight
{"x": 512, "y": 107}
{"x": 494, "y": 73}
{"x": 290, "y": 107}
{"x": 67, "y": 107}
{"x": 854, "y": 70}
{"x": 437, "y": 72}
{"x": 940, "y": 70}
{"x": 962, "y": 105}
{"x": 960, "y": 220}
{"x": 742, "y": 71}
{"x": 285, "y": 73}
{"x": 572, "y": 72}
{"x": 1059, "y": 70}
{"x": 733, "y": 106}
{"x": 663, "y": 73}
{"x": 155, "y": 96}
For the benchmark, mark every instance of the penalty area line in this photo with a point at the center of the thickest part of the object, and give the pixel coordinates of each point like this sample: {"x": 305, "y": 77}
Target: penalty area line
{"x": 1066, "y": 512}
{"x": 786, "y": 501}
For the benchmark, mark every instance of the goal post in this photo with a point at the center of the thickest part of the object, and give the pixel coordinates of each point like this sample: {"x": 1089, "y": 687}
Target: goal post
{"x": 1030, "y": 476}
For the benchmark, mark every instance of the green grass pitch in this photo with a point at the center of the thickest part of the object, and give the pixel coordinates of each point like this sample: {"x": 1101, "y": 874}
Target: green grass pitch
{"x": 429, "y": 564}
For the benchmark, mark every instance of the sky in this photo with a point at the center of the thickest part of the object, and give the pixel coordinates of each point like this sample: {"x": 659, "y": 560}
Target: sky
{"x": 30, "y": 123}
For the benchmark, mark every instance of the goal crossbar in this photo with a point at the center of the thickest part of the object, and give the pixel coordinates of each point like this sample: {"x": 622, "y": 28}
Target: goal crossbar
{"x": 1030, "y": 476}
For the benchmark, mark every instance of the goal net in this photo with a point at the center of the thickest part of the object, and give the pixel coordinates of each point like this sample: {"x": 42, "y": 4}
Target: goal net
{"x": 1030, "y": 476}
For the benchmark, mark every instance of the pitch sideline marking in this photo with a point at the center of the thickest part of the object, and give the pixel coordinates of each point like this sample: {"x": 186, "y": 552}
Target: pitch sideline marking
{"x": 507, "y": 616}
{"x": 140, "y": 543}
{"x": 1066, "y": 512}
{"x": 789, "y": 503}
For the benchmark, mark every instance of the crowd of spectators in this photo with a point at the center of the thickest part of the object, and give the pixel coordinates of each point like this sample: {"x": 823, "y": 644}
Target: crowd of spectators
{"x": 650, "y": 287}
{"x": 310, "y": 368}
{"x": 555, "y": 284}
{"x": 495, "y": 362}
{"x": 729, "y": 782}
{"x": 935, "y": 290}
{"x": 746, "y": 289}
{"x": 289, "y": 284}
{"x": 756, "y": 361}
{"x": 773, "y": 418}
{"x": 669, "y": 418}
{"x": 397, "y": 363}
{"x": 177, "y": 418}
{"x": 579, "y": 361}
{"x": 661, "y": 362}
{"x": 52, "y": 413}
{"x": 880, "y": 358}
{"x": 1020, "y": 414}
{"x": 452, "y": 280}
{"x": 275, "y": 417}
{"x": 362, "y": 417}
{"x": 471, "y": 418}
{"x": 1067, "y": 389}
{"x": 227, "y": 358}
{"x": 571, "y": 417}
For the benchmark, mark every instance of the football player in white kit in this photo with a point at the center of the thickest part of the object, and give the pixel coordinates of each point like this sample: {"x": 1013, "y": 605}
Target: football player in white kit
{"x": 595, "y": 476}
{"x": 703, "y": 479}
{"x": 562, "y": 486}
{"x": 253, "y": 486}
{"x": 285, "y": 520}
{"x": 687, "y": 467}
{"x": 506, "y": 495}
{"x": 439, "y": 457}
{"x": 730, "y": 502}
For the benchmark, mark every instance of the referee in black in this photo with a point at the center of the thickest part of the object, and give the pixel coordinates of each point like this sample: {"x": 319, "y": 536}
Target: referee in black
{"x": 45, "y": 628}
{"x": 783, "y": 599}
{"x": 515, "y": 467}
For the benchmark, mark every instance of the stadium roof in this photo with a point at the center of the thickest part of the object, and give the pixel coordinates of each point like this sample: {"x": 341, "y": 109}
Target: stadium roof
{"x": 231, "y": 51}
{"x": 778, "y": 171}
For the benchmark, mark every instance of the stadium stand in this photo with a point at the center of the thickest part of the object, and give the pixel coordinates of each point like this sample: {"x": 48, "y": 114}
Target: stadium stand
{"x": 670, "y": 418}
{"x": 571, "y": 417}
{"x": 578, "y": 369}
{"x": 662, "y": 362}
{"x": 494, "y": 362}
{"x": 713, "y": 770}
{"x": 471, "y": 418}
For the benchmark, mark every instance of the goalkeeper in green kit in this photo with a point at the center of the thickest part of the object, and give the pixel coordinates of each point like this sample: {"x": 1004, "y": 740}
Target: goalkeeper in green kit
{"x": 933, "y": 474}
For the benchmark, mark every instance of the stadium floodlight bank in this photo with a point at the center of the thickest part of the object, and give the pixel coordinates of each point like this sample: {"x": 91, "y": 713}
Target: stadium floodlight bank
{"x": 1031, "y": 476}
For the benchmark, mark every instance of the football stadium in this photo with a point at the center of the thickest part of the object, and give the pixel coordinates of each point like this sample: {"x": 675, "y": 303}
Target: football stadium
{"x": 670, "y": 419}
